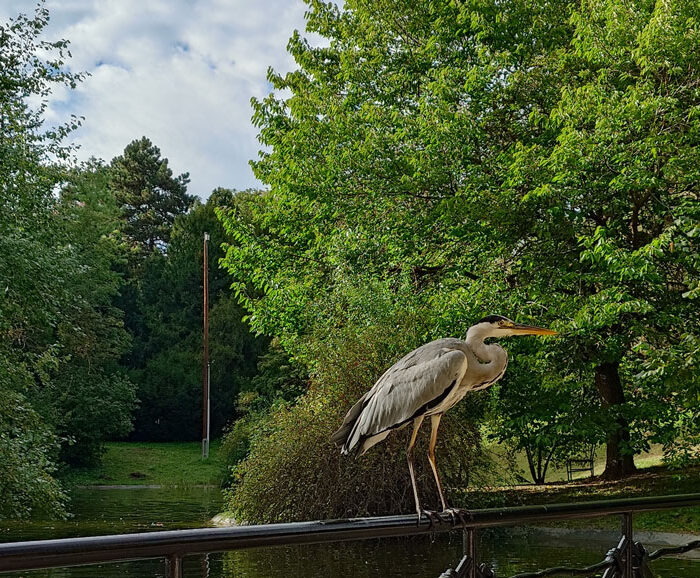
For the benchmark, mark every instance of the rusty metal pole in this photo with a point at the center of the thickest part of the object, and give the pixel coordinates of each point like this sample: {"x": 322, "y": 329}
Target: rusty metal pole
{"x": 205, "y": 357}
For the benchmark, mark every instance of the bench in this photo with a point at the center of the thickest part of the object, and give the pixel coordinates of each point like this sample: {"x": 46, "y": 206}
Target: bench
{"x": 584, "y": 463}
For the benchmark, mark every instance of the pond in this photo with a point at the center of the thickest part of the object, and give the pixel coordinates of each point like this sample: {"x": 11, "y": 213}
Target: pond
{"x": 121, "y": 510}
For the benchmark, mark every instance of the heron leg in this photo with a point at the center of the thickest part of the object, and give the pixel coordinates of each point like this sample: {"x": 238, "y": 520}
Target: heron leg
{"x": 435, "y": 424}
{"x": 409, "y": 455}
{"x": 457, "y": 514}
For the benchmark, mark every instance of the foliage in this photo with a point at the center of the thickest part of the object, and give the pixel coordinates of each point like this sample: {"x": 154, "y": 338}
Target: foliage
{"x": 548, "y": 416}
{"x": 87, "y": 406}
{"x": 295, "y": 472}
{"x": 166, "y": 357}
{"x": 531, "y": 159}
{"x": 90, "y": 399}
{"x": 430, "y": 163}
{"x": 27, "y": 448}
{"x": 36, "y": 265}
{"x": 612, "y": 198}
{"x": 60, "y": 335}
{"x": 28, "y": 223}
{"x": 278, "y": 382}
{"x": 148, "y": 195}
{"x": 276, "y": 483}
{"x": 278, "y": 379}
{"x": 377, "y": 153}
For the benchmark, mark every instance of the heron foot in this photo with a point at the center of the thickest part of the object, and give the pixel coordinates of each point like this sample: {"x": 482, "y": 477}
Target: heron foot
{"x": 458, "y": 515}
{"x": 432, "y": 515}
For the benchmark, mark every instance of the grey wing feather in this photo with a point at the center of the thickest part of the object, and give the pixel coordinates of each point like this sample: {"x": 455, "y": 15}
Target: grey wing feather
{"x": 403, "y": 391}
{"x": 340, "y": 437}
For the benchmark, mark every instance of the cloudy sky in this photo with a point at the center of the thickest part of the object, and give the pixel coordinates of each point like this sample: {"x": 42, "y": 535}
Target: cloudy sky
{"x": 180, "y": 72}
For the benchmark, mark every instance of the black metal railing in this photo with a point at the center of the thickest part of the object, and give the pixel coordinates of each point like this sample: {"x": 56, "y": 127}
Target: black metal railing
{"x": 628, "y": 559}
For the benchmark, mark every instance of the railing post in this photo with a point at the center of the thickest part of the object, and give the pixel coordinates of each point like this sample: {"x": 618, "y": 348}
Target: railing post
{"x": 623, "y": 554}
{"x": 173, "y": 566}
{"x": 628, "y": 568}
{"x": 469, "y": 546}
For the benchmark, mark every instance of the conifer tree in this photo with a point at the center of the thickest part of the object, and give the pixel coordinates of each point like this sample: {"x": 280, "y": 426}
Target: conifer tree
{"x": 148, "y": 194}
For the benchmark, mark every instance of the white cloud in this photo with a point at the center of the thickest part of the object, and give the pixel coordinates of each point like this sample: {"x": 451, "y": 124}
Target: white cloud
{"x": 180, "y": 72}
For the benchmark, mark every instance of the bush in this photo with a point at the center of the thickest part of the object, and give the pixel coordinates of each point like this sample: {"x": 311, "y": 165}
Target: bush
{"x": 278, "y": 381}
{"x": 27, "y": 454}
{"x": 94, "y": 406}
{"x": 295, "y": 472}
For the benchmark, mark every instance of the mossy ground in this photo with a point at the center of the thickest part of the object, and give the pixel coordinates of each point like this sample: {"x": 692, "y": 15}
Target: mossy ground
{"x": 163, "y": 464}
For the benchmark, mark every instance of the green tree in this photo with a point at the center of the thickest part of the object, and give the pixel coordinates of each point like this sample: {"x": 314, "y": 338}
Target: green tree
{"x": 388, "y": 151}
{"x": 548, "y": 415}
{"x": 35, "y": 266}
{"x": 90, "y": 399}
{"x": 612, "y": 214}
{"x": 168, "y": 368}
{"x": 148, "y": 194}
{"x": 278, "y": 381}
{"x": 532, "y": 159}
{"x": 27, "y": 457}
{"x": 149, "y": 199}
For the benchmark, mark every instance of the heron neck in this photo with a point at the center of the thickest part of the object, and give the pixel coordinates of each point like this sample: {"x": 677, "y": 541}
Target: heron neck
{"x": 490, "y": 353}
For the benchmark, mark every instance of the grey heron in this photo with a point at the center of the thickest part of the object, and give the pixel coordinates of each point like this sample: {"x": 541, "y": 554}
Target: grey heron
{"x": 426, "y": 383}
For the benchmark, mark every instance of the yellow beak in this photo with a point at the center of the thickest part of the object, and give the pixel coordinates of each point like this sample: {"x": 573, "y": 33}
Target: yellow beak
{"x": 532, "y": 330}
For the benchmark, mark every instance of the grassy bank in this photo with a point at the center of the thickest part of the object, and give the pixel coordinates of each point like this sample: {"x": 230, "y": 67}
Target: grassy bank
{"x": 181, "y": 464}
{"x": 557, "y": 472}
{"x": 651, "y": 481}
{"x": 163, "y": 464}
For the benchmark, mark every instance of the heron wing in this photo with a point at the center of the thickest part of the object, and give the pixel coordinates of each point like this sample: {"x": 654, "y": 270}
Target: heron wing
{"x": 406, "y": 390}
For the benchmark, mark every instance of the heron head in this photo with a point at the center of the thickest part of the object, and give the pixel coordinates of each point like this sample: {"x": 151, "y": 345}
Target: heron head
{"x": 499, "y": 326}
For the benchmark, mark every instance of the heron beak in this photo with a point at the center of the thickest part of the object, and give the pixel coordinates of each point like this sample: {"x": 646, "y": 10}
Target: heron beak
{"x": 519, "y": 329}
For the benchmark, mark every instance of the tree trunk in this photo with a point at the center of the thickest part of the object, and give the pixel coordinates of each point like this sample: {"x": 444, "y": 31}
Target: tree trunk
{"x": 617, "y": 464}
{"x": 538, "y": 464}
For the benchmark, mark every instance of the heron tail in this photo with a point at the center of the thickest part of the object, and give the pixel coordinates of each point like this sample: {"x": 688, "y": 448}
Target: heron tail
{"x": 340, "y": 438}
{"x": 344, "y": 436}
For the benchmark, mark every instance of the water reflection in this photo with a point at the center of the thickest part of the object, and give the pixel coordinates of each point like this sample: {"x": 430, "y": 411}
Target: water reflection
{"x": 122, "y": 511}
{"x": 507, "y": 550}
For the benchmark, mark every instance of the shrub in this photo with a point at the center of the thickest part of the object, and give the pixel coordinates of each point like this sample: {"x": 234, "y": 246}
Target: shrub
{"x": 27, "y": 454}
{"x": 295, "y": 472}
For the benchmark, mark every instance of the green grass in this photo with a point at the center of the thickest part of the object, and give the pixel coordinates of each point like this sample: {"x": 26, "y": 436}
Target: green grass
{"x": 557, "y": 473}
{"x": 181, "y": 464}
{"x": 163, "y": 464}
{"x": 649, "y": 481}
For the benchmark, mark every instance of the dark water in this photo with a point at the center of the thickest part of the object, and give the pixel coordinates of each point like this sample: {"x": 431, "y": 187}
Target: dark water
{"x": 507, "y": 550}
{"x": 123, "y": 511}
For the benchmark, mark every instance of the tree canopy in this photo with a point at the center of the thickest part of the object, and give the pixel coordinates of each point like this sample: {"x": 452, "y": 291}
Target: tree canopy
{"x": 57, "y": 283}
{"x": 148, "y": 194}
{"x": 536, "y": 160}
{"x": 427, "y": 163}
{"x": 100, "y": 266}
{"x": 166, "y": 357}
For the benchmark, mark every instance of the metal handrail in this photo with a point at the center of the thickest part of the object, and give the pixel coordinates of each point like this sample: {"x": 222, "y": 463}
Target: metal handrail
{"x": 173, "y": 545}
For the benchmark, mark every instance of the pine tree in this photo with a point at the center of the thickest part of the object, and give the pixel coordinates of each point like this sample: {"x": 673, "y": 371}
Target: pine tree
{"x": 148, "y": 194}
